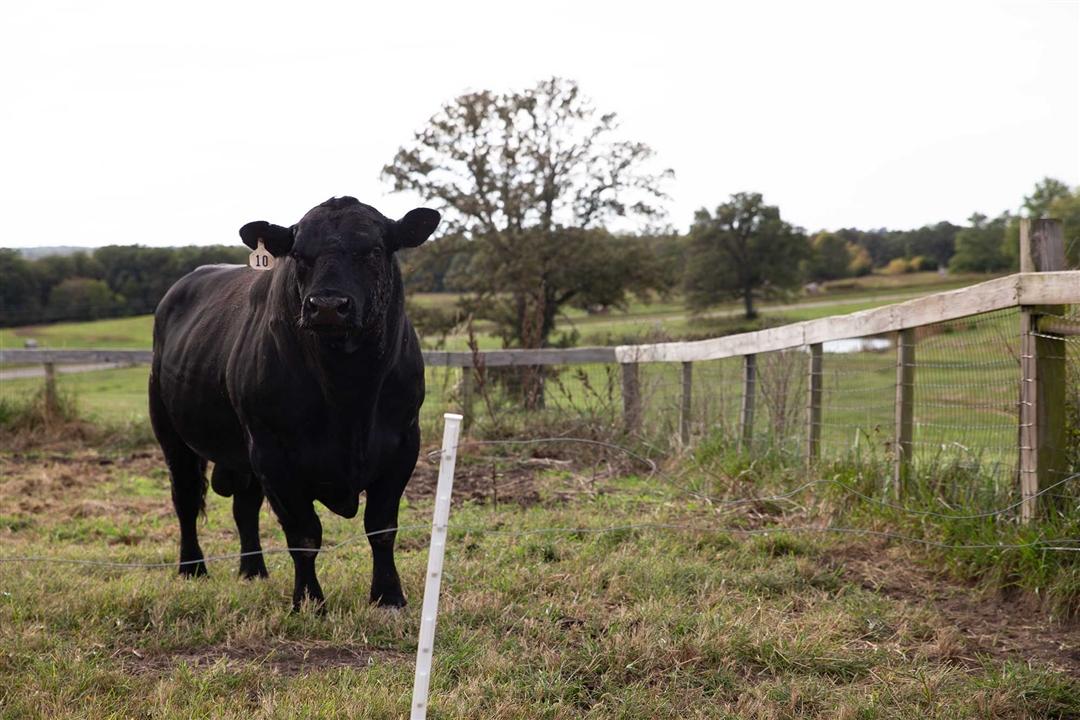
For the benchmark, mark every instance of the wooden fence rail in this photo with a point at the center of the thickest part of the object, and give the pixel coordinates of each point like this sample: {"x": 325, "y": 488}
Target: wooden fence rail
{"x": 1039, "y": 291}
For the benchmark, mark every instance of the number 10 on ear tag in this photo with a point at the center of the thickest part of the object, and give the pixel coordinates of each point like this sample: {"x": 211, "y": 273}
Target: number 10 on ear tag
{"x": 260, "y": 258}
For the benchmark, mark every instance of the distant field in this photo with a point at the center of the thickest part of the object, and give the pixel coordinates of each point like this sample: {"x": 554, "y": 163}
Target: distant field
{"x": 668, "y": 317}
{"x": 111, "y": 396}
{"x": 953, "y": 422}
{"x": 128, "y": 332}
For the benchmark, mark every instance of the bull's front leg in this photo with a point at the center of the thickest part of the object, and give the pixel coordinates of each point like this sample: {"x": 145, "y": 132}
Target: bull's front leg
{"x": 380, "y": 523}
{"x": 303, "y": 533}
{"x": 296, "y": 513}
{"x": 381, "y": 518}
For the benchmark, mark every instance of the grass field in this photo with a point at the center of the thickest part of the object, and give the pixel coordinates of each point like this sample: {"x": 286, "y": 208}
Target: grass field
{"x": 575, "y": 586}
{"x": 130, "y": 332}
{"x": 694, "y": 619}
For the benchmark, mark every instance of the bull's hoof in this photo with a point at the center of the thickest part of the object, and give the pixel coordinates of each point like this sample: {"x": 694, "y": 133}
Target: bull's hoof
{"x": 392, "y": 598}
{"x": 309, "y": 596}
{"x": 252, "y": 568}
{"x": 193, "y": 568}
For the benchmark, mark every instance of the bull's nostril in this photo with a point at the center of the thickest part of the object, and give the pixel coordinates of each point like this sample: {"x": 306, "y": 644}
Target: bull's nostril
{"x": 328, "y": 310}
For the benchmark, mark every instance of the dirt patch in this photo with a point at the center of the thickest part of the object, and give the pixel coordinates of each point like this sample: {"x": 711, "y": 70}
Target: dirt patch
{"x": 55, "y": 483}
{"x": 496, "y": 481}
{"x": 284, "y": 658}
{"x": 56, "y": 436}
{"x": 983, "y": 625}
{"x": 523, "y": 481}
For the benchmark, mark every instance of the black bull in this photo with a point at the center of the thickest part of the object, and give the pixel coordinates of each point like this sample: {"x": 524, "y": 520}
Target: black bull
{"x": 301, "y": 383}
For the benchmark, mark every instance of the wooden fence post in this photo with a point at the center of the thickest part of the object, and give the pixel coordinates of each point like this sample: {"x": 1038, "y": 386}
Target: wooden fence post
{"x": 631, "y": 395}
{"x": 746, "y": 421}
{"x": 903, "y": 447}
{"x": 686, "y": 405}
{"x": 1042, "y": 372}
{"x": 467, "y": 383}
{"x": 52, "y": 403}
{"x": 813, "y": 404}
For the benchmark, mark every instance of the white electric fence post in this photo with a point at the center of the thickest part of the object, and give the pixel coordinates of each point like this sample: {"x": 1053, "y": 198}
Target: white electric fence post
{"x": 433, "y": 579}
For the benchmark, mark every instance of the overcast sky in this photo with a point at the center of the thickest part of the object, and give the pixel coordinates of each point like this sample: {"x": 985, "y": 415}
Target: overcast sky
{"x": 175, "y": 123}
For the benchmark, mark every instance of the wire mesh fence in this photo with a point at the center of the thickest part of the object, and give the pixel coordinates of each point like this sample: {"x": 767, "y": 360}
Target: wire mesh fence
{"x": 965, "y": 420}
{"x": 967, "y": 391}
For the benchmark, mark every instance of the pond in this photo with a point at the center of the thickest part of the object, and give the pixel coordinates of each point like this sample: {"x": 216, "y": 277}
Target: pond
{"x": 854, "y": 345}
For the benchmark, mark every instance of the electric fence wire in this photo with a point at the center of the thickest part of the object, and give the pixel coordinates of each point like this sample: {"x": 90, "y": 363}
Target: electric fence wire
{"x": 1053, "y": 544}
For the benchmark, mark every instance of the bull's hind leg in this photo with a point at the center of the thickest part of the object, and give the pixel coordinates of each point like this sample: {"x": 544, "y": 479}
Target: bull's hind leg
{"x": 381, "y": 519}
{"x": 187, "y": 475}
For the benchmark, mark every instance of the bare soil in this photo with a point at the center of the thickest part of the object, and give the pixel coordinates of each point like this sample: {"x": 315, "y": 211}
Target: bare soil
{"x": 985, "y": 624}
{"x": 55, "y": 479}
{"x": 55, "y": 482}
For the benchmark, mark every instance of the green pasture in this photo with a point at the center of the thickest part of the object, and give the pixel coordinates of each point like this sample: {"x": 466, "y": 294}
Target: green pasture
{"x": 129, "y": 332}
{"x": 575, "y": 585}
{"x": 617, "y": 597}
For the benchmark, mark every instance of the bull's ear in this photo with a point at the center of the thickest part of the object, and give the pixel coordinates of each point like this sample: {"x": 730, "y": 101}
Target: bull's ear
{"x": 278, "y": 240}
{"x": 413, "y": 229}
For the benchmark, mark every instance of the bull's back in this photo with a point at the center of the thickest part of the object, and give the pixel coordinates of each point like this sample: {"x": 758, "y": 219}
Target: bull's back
{"x": 196, "y": 327}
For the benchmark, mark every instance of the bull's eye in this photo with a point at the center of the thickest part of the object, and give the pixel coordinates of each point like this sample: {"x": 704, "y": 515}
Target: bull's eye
{"x": 374, "y": 253}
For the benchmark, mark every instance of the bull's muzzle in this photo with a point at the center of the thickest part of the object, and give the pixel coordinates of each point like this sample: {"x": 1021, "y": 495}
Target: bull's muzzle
{"x": 328, "y": 312}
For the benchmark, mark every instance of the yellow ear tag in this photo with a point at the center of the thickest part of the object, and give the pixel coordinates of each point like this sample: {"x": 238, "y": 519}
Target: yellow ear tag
{"x": 260, "y": 258}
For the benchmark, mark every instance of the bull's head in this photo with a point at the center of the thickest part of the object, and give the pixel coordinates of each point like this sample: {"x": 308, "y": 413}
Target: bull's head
{"x": 341, "y": 255}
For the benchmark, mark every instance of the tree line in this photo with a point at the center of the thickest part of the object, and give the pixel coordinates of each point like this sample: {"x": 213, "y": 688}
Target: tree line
{"x": 546, "y": 206}
{"x": 110, "y": 281}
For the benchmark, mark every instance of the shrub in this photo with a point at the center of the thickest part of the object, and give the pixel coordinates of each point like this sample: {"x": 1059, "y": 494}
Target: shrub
{"x": 897, "y": 266}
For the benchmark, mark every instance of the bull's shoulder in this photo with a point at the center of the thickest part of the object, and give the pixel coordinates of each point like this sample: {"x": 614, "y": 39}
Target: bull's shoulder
{"x": 207, "y": 299}
{"x": 206, "y": 287}
{"x": 207, "y": 281}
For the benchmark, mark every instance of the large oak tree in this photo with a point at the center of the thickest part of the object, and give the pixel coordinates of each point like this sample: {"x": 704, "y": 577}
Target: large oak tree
{"x": 532, "y": 177}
